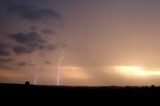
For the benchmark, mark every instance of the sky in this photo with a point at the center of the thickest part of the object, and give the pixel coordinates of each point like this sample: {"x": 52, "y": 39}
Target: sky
{"x": 94, "y": 42}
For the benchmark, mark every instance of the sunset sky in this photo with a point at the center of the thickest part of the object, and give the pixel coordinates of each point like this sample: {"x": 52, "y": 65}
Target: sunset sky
{"x": 106, "y": 42}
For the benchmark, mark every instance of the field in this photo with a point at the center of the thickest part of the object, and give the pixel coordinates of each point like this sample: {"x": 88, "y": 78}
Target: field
{"x": 80, "y": 93}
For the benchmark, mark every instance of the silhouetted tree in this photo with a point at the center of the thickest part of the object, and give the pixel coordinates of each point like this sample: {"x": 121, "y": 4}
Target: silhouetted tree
{"x": 153, "y": 86}
{"x": 27, "y": 83}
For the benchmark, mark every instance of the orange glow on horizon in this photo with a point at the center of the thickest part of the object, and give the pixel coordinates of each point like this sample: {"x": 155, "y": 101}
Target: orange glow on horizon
{"x": 137, "y": 71}
{"x": 74, "y": 73}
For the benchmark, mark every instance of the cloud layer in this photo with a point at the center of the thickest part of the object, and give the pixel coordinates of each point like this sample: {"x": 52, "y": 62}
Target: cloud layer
{"x": 38, "y": 24}
{"x": 4, "y": 49}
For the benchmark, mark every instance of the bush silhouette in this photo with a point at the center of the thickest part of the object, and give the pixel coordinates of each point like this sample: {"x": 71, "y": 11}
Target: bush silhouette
{"x": 27, "y": 83}
{"x": 153, "y": 86}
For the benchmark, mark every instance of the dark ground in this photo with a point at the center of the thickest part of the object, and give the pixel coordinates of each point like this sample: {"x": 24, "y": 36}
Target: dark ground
{"x": 79, "y": 94}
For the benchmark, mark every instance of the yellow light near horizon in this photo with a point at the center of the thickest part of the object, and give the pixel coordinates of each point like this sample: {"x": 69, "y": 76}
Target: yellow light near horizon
{"x": 75, "y": 72}
{"x": 134, "y": 70}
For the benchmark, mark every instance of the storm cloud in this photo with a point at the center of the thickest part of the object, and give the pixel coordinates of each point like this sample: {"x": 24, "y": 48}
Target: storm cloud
{"x": 22, "y": 49}
{"x": 28, "y": 39}
{"x": 4, "y": 49}
{"x": 27, "y": 42}
{"x": 7, "y": 67}
{"x": 5, "y": 64}
{"x": 4, "y": 60}
{"x": 28, "y": 12}
{"x": 36, "y": 37}
{"x": 25, "y": 29}
{"x": 30, "y": 42}
{"x": 47, "y": 31}
{"x": 21, "y": 64}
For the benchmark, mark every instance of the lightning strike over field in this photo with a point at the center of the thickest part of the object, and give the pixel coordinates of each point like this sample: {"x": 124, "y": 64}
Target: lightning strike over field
{"x": 59, "y": 67}
{"x": 36, "y": 78}
{"x": 36, "y": 73}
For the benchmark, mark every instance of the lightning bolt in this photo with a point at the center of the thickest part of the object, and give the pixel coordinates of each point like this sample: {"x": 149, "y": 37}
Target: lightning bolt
{"x": 59, "y": 67}
{"x": 36, "y": 73}
{"x": 36, "y": 78}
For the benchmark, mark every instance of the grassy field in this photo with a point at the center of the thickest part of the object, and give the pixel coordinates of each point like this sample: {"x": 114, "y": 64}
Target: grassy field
{"x": 80, "y": 93}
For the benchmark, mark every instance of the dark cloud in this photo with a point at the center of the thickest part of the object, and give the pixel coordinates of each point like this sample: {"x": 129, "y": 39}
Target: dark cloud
{"x": 26, "y": 42}
{"x": 28, "y": 12}
{"x": 21, "y": 64}
{"x": 33, "y": 28}
{"x": 33, "y": 14}
{"x": 22, "y": 49}
{"x": 29, "y": 42}
{"x": 4, "y": 60}
{"x": 4, "y": 52}
{"x": 4, "y": 45}
{"x": 47, "y": 62}
{"x": 5, "y": 64}
{"x": 6, "y": 67}
{"x": 4, "y": 49}
{"x": 51, "y": 47}
{"x": 47, "y": 31}
{"x": 29, "y": 39}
